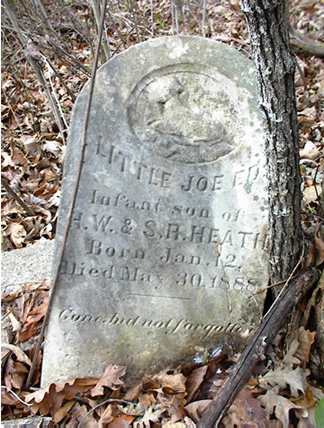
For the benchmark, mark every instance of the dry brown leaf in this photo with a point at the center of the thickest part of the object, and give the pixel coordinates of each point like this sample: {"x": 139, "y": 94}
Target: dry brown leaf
{"x": 33, "y": 316}
{"x": 110, "y": 379}
{"x": 17, "y": 234}
{"x": 305, "y": 338}
{"x": 60, "y": 414}
{"x": 133, "y": 393}
{"x": 106, "y": 416}
{"x": 196, "y": 409}
{"x": 194, "y": 381}
{"x": 15, "y": 324}
{"x": 122, "y": 421}
{"x": 20, "y": 354}
{"x": 17, "y": 373}
{"x": 147, "y": 399}
{"x": 189, "y": 423}
{"x": 246, "y": 411}
{"x": 152, "y": 414}
{"x": 283, "y": 377}
{"x": 174, "y": 425}
{"x": 8, "y": 399}
{"x": 174, "y": 404}
{"x": 174, "y": 383}
{"x": 278, "y": 405}
{"x": 310, "y": 151}
{"x": 319, "y": 245}
{"x": 312, "y": 193}
{"x": 78, "y": 413}
{"x": 48, "y": 401}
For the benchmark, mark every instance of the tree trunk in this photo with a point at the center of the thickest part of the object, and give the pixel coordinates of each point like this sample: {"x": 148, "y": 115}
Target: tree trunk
{"x": 269, "y": 33}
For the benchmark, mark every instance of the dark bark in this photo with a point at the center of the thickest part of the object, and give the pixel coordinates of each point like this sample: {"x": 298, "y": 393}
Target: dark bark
{"x": 269, "y": 37}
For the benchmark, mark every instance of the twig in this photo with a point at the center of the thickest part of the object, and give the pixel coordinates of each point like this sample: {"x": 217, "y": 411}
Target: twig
{"x": 203, "y": 22}
{"x": 74, "y": 196}
{"x": 44, "y": 18}
{"x": 254, "y": 352}
{"x": 315, "y": 185}
{"x": 96, "y": 13}
{"x": 306, "y": 45}
{"x": 15, "y": 395}
{"x": 12, "y": 193}
{"x": 152, "y": 17}
{"x": 35, "y": 65}
{"x": 51, "y": 70}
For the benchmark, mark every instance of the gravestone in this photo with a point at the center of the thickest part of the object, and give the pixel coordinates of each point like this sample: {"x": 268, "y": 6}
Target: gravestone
{"x": 166, "y": 249}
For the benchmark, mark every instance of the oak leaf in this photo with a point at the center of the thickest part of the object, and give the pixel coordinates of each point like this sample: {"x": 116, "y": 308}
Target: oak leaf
{"x": 246, "y": 411}
{"x": 278, "y": 405}
{"x": 283, "y": 377}
{"x": 110, "y": 379}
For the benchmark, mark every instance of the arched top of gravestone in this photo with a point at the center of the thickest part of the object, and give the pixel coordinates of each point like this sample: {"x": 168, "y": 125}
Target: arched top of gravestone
{"x": 184, "y": 98}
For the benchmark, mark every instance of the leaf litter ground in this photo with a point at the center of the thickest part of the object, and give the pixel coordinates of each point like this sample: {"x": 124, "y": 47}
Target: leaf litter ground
{"x": 284, "y": 392}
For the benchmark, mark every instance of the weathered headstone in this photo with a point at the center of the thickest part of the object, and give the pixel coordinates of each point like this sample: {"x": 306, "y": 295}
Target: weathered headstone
{"x": 166, "y": 248}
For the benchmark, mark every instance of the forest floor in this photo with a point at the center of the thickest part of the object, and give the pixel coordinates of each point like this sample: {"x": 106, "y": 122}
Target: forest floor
{"x": 287, "y": 389}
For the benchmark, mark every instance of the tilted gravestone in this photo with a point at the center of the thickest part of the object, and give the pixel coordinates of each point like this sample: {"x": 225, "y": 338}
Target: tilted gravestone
{"x": 166, "y": 247}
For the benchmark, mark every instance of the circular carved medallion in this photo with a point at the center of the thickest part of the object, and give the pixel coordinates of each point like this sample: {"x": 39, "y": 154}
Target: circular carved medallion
{"x": 184, "y": 114}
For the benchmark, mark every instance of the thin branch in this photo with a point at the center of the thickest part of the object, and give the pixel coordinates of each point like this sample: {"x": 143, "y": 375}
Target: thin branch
{"x": 74, "y": 197}
{"x": 52, "y": 71}
{"x": 96, "y": 12}
{"x": 17, "y": 198}
{"x": 44, "y": 18}
{"x": 16, "y": 396}
{"x": 306, "y": 45}
{"x": 203, "y": 21}
{"x": 35, "y": 65}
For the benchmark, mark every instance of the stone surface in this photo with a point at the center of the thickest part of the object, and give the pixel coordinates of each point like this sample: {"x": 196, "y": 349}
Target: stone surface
{"x": 29, "y": 264}
{"x": 166, "y": 248}
{"x": 36, "y": 422}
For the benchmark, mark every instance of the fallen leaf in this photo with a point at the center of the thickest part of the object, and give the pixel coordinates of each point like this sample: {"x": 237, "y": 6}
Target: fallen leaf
{"x": 15, "y": 374}
{"x": 63, "y": 411}
{"x": 123, "y": 421}
{"x": 246, "y": 411}
{"x": 305, "y": 340}
{"x": 52, "y": 147}
{"x": 174, "y": 425}
{"x": 278, "y": 405}
{"x": 152, "y": 414}
{"x": 8, "y": 399}
{"x": 17, "y": 234}
{"x": 196, "y": 409}
{"x": 310, "y": 151}
{"x": 194, "y": 381}
{"x": 319, "y": 245}
{"x": 174, "y": 383}
{"x": 294, "y": 378}
{"x": 20, "y": 354}
{"x": 48, "y": 401}
{"x": 110, "y": 379}
{"x": 312, "y": 193}
{"x": 15, "y": 324}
